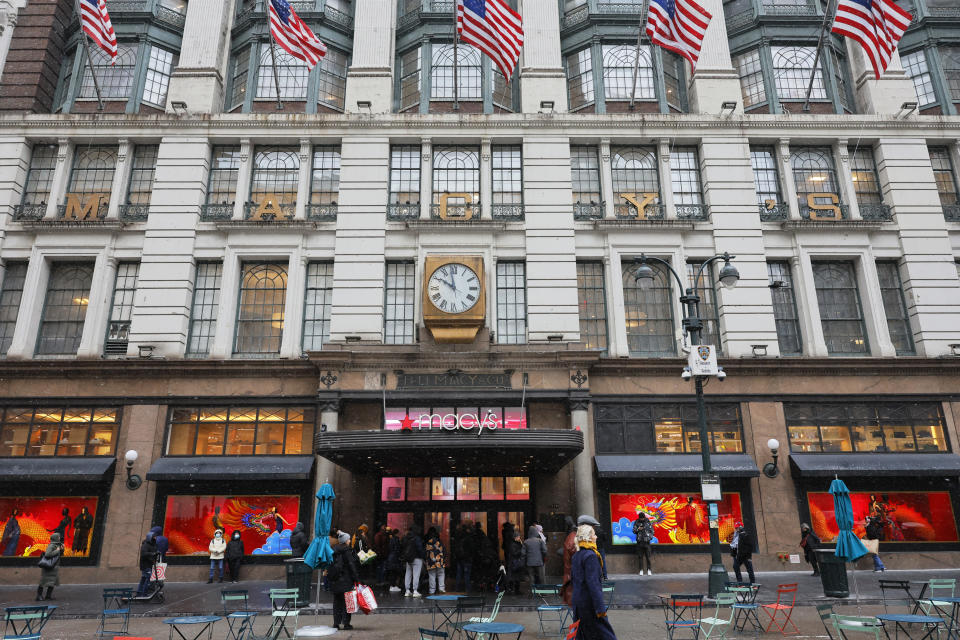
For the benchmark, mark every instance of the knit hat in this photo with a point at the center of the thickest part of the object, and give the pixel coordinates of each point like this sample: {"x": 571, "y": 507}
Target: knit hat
{"x": 343, "y": 538}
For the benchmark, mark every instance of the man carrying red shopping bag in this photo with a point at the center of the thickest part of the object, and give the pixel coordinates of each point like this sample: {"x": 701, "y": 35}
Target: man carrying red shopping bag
{"x": 343, "y": 574}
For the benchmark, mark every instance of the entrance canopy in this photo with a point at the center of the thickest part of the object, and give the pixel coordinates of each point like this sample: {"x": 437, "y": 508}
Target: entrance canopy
{"x": 57, "y": 469}
{"x": 674, "y": 465}
{"x": 826, "y": 465}
{"x": 438, "y": 451}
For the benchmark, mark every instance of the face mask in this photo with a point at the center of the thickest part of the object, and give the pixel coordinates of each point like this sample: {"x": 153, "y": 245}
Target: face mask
{"x": 217, "y": 534}
{"x": 236, "y": 536}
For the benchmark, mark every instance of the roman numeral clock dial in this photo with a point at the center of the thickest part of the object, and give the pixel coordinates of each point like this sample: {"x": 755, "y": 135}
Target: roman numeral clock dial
{"x": 454, "y": 297}
{"x": 453, "y": 288}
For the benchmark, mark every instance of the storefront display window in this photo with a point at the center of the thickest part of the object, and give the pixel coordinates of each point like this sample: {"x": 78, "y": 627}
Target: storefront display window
{"x": 468, "y": 488}
{"x": 666, "y": 428}
{"x": 28, "y": 522}
{"x": 906, "y": 516}
{"x": 398, "y": 489}
{"x": 875, "y": 428}
{"x": 240, "y": 431}
{"x": 418, "y": 488}
{"x": 677, "y": 518}
{"x": 264, "y": 522}
{"x": 59, "y": 431}
{"x": 491, "y": 488}
{"x": 470, "y": 417}
{"x": 518, "y": 488}
{"x": 442, "y": 489}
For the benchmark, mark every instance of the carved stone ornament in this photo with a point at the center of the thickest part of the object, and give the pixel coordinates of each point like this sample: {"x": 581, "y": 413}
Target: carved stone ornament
{"x": 579, "y": 379}
{"x": 328, "y": 379}
{"x": 330, "y": 406}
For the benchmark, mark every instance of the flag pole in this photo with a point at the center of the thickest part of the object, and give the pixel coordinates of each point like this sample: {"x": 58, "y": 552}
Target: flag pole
{"x": 816, "y": 57}
{"x": 456, "y": 96}
{"x": 273, "y": 63}
{"x": 636, "y": 66}
{"x": 86, "y": 49}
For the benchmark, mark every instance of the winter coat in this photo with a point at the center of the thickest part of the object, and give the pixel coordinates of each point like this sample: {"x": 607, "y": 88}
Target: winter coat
{"x": 148, "y": 553}
{"x": 217, "y": 548}
{"x": 586, "y": 576}
{"x": 465, "y": 547}
{"x": 51, "y": 577}
{"x": 810, "y": 543}
{"x": 298, "y": 541}
{"x": 874, "y": 531}
{"x": 643, "y": 531}
{"x": 569, "y": 549}
{"x": 360, "y": 543}
{"x": 344, "y": 571}
{"x": 744, "y": 546}
{"x": 411, "y": 547}
{"x": 163, "y": 544}
{"x": 436, "y": 554}
{"x": 393, "y": 555}
{"x": 513, "y": 556}
{"x": 534, "y": 548}
{"x": 235, "y": 549}
{"x": 381, "y": 545}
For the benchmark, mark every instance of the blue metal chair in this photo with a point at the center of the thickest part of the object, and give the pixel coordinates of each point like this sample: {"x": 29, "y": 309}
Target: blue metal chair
{"x": 115, "y": 617}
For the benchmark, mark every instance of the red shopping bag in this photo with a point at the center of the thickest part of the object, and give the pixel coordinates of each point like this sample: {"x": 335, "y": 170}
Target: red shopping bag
{"x": 351, "y": 599}
{"x": 159, "y": 572}
{"x": 365, "y": 599}
{"x": 572, "y": 632}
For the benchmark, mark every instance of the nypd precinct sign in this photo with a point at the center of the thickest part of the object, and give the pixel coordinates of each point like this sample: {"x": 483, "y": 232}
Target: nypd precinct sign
{"x": 703, "y": 360}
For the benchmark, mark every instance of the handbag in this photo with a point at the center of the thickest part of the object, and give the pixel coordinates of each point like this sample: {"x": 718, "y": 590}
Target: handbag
{"x": 159, "y": 572}
{"x": 350, "y": 597}
{"x": 48, "y": 563}
{"x": 366, "y": 556}
{"x": 572, "y": 632}
{"x": 365, "y": 599}
{"x": 873, "y": 546}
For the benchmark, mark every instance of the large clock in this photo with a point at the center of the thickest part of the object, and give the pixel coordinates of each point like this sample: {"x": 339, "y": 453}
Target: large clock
{"x": 453, "y": 297}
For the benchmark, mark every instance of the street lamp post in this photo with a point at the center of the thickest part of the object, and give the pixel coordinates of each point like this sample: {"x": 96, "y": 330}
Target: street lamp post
{"x": 693, "y": 326}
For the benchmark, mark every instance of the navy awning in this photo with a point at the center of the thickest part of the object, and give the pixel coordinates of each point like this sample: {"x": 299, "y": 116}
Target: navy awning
{"x": 674, "y": 465}
{"x": 826, "y": 465}
{"x": 232, "y": 467}
{"x": 57, "y": 469}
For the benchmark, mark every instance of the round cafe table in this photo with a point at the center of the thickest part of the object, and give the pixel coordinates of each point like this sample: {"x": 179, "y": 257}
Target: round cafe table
{"x": 446, "y": 606}
{"x": 493, "y": 630}
{"x": 204, "y": 622}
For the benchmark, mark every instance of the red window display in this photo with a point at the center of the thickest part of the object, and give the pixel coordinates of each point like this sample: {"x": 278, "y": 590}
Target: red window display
{"x": 906, "y": 516}
{"x": 677, "y": 518}
{"x": 27, "y": 524}
{"x": 264, "y": 522}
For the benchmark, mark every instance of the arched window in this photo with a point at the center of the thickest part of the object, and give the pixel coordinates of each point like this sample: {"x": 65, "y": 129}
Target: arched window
{"x": 456, "y": 170}
{"x": 619, "y": 62}
{"x": 117, "y": 79}
{"x": 292, "y": 75}
{"x": 649, "y": 314}
{"x": 468, "y": 72}
{"x": 791, "y": 73}
{"x": 263, "y": 292}
{"x": 276, "y": 171}
{"x": 93, "y": 169}
{"x": 634, "y": 175}
{"x": 813, "y": 172}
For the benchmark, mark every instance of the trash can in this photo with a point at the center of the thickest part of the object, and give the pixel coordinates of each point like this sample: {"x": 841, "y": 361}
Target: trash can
{"x": 300, "y": 577}
{"x": 833, "y": 574}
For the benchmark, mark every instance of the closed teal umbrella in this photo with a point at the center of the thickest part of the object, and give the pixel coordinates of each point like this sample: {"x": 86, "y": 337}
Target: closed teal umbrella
{"x": 319, "y": 553}
{"x": 849, "y": 547}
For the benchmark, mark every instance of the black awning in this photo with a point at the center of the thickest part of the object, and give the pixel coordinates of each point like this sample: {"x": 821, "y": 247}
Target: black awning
{"x": 438, "y": 452}
{"x": 232, "y": 467}
{"x": 56, "y": 469}
{"x": 674, "y": 465}
{"x": 822, "y": 465}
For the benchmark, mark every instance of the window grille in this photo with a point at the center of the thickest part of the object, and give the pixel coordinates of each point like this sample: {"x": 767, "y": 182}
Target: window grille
{"x": 895, "y": 308}
{"x": 204, "y": 311}
{"x": 766, "y": 179}
{"x": 785, "y": 309}
{"x": 59, "y": 431}
{"x": 121, "y": 309}
{"x": 666, "y": 428}
{"x": 634, "y": 174}
{"x": 502, "y": 91}
{"x": 93, "y": 169}
{"x": 260, "y": 311}
{"x": 866, "y": 184}
{"x": 709, "y": 307}
{"x": 399, "y": 303}
{"x": 841, "y": 314}
{"x": 649, "y": 314}
{"x": 238, "y": 86}
{"x": 224, "y": 169}
{"x": 332, "y": 79}
{"x": 14, "y": 277}
{"x": 944, "y": 176}
{"x": 883, "y": 427}
{"x": 159, "y": 66}
{"x": 751, "y": 78}
{"x": 405, "y": 175}
{"x": 325, "y": 175}
{"x": 43, "y": 163}
{"x": 580, "y": 78}
{"x": 592, "y": 305}
{"x": 316, "y": 315}
{"x": 950, "y": 56}
{"x": 813, "y": 172}
{"x": 240, "y": 431}
{"x": 117, "y": 79}
{"x": 64, "y": 309}
{"x": 507, "y": 167}
{"x": 410, "y": 79}
{"x": 141, "y": 174}
{"x": 791, "y": 73}
{"x": 619, "y": 62}
{"x": 585, "y": 169}
{"x": 685, "y": 176}
{"x": 915, "y": 64}
{"x": 511, "y": 303}
{"x": 468, "y": 72}
{"x": 292, "y": 75}
{"x": 276, "y": 171}
{"x": 456, "y": 170}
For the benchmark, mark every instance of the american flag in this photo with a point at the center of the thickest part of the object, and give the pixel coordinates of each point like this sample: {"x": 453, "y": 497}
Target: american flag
{"x": 96, "y": 23}
{"x": 877, "y": 25}
{"x": 494, "y": 28}
{"x": 293, "y": 35}
{"x": 678, "y": 25}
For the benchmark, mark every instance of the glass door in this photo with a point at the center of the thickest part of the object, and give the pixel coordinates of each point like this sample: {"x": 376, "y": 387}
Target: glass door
{"x": 441, "y": 520}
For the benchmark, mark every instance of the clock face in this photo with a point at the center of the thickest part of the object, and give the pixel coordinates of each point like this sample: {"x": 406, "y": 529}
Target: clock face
{"x": 453, "y": 288}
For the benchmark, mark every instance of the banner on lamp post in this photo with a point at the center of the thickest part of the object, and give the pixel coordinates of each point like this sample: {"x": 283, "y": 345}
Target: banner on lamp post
{"x": 703, "y": 360}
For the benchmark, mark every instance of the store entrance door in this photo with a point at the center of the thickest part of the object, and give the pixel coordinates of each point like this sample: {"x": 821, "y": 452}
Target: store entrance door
{"x": 446, "y": 522}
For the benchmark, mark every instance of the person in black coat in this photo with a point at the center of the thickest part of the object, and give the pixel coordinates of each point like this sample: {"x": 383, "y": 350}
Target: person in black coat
{"x": 234, "y": 555}
{"x": 298, "y": 541}
{"x": 586, "y": 576}
{"x": 810, "y": 543}
{"x": 744, "y": 553}
{"x": 148, "y": 555}
{"x": 343, "y": 574}
{"x": 82, "y": 525}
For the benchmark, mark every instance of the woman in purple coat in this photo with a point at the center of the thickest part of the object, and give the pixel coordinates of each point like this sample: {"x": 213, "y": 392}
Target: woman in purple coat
{"x": 586, "y": 576}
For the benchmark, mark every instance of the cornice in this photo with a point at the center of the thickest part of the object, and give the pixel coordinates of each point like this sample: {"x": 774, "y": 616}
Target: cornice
{"x": 154, "y": 368}
{"x": 767, "y": 367}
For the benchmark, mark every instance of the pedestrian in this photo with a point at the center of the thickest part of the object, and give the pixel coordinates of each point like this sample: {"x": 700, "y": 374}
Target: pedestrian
{"x": 234, "y": 555}
{"x": 569, "y": 549}
{"x": 744, "y": 553}
{"x": 874, "y": 533}
{"x": 11, "y": 534}
{"x": 586, "y": 575}
{"x": 436, "y": 561}
{"x": 298, "y": 541}
{"x": 463, "y": 552}
{"x": 602, "y": 542}
{"x": 506, "y": 537}
{"x": 50, "y": 568}
{"x": 82, "y": 525}
{"x": 486, "y": 563}
{"x": 64, "y": 524}
{"x": 343, "y": 574}
{"x": 148, "y": 556}
{"x": 217, "y": 548}
{"x": 513, "y": 561}
{"x": 534, "y": 554}
{"x": 412, "y": 555}
{"x": 360, "y": 542}
{"x": 163, "y": 544}
{"x": 643, "y": 531}
{"x": 394, "y": 570}
{"x": 381, "y": 547}
{"x": 810, "y": 543}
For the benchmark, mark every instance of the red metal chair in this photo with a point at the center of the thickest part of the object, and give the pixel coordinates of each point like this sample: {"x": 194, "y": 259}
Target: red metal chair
{"x": 786, "y": 600}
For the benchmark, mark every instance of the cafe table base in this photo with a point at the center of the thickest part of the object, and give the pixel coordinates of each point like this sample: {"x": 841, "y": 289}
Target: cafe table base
{"x": 205, "y": 623}
{"x": 899, "y": 622}
{"x": 446, "y": 614}
{"x": 493, "y": 630}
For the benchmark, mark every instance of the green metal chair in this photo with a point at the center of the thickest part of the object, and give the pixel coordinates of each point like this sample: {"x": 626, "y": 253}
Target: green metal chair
{"x": 551, "y": 611}
{"x": 25, "y": 623}
{"x": 826, "y": 617}
{"x": 235, "y": 610}
{"x": 942, "y": 587}
{"x": 608, "y": 587}
{"x": 856, "y": 624}
{"x": 721, "y": 620}
{"x": 432, "y": 634}
{"x": 284, "y": 609}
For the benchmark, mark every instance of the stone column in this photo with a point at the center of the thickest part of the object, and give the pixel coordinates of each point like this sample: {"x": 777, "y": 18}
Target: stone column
{"x": 98, "y": 308}
{"x": 541, "y": 67}
{"x": 883, "y": 96}
{"x": 121, "y": 176}
{"x": 613, "y": 271}
{"x": 61, "y": 176}
{"x": 585, "y": 490}
{"x": 24, "y": 339}
{"x": 606, "y": 180}
{"x": 199, "y": 76}
{"x": 329, "y": 417}
{"x": 841, "y": 154}
{"x": 787, "y": 183}
{"x": 222, "y": 346}
{"x": 369, "y": 78}
{"x": 715, "y": 80}
{"x": 874, "y": 316}
{"x": 814, "y": 342}
{"x": 293, "y": 305}
{"x": 666, "y": 181}
{"x": 304, "y": 178}
{"x": 426, "y": 178}
{"x": 243, "y": 178}
{"x": 486, "y": 180}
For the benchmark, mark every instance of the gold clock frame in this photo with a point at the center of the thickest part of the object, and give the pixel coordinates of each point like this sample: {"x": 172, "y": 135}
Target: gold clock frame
{"x": 453, "y": 328}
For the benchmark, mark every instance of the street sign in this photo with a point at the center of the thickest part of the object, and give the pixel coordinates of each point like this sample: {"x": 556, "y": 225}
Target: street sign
{"x": 703, "y": 360}
{"x": 710, "y": 487}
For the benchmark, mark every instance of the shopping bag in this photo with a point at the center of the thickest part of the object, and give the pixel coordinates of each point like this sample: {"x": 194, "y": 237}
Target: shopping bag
{"x": 159, "y": 572}
{"x": 366, "y": 556}
{"x": 572, "y": 632}
{"x": 873, "y": 546}
{"x": 365, "y": 599}
{"x": 351, "y": 598}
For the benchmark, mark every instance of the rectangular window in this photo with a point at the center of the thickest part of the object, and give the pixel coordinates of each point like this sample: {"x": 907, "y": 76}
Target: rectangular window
{"x": 865, "y": 180}
{"x": 502, "y": 91}
{"x": 649, "y": 314}
{"x": 585, "y": 170}
{"x": 915, "y": 64}
{"x": 121, "y": 309}
{"x": 507, "y": 167}
{"x": 14, "y": 277}
{"x": 897, "y": 510}
{"x": 895, "y": 308}
{"x": 260, "y": 310}
{"x": 224, "y": 170}
{"x": 238, "y": 85}
{"x": 785, "y": 309}
{"x": 116, "y": 78}
{"x": 405, "y": 174}
{"x": 240, "y": 431}
{"x": 751, "y": 78}
{"x": 332, "y": 79}
{"x": 666, "y": 428}
{"x": 141, "y": 174}
{"x": 685, "y": 177}
{"x": 159, "y": 66}
{"x": 840, "y": 79}
{"x": 59, "y": 431}
{"x": 883, "y": 427}
{"x": 579, "y": 78}
{"x": 511, "y": 303}
{"x": 410, "y": 79}
{"x": 944, "y": 176}
{"x": 950, "y": 56}
{"x": 592, "y": 305}
{"x": 316, "y": 314}
{"x": 673, "y": 79}
{"x": 206, "y": 302}
{"x": 398, "y": 327}
{"x": 325, "y": 176}
{"x": 766, "y": 179}
{"x": 259, "y": 520}
{"x": 841, "y": 314}
{"x": 43, "y": 162}
{"x": 64, "y": 308}
{"x": 709, "y": 310}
